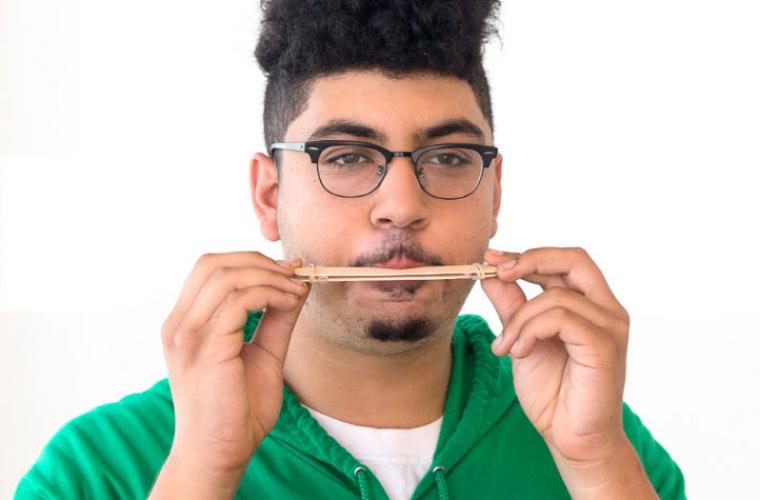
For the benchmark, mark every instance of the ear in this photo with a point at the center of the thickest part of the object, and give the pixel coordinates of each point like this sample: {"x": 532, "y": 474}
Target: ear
{"x": 264, "y": 188}
{"x": 496, "y": 193}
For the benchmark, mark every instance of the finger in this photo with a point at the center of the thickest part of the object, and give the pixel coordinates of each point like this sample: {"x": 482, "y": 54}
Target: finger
{"x": 206, "y": 265}
{"x": 273, "y": 332}
{"x": 230, "y": 317}
{"x": 226, "y": 280}
{"x": 506, "y": 297}
{"x": 585, "y": 343}
{"x": 552, "y": 298}
{"x": 497, "y": 257}
{"x": 234, "y": 311}
{"x": 573, "y": 265}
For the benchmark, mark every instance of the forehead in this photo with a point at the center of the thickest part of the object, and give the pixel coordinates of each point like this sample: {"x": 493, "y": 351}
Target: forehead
{"x": 396, "y": 107}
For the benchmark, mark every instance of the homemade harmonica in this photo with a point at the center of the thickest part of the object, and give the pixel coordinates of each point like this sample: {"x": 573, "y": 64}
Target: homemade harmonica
{"x": 316, "y": 274}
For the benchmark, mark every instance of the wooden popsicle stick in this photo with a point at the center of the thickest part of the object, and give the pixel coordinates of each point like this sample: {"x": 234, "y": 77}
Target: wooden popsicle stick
{"x": 316, "y": 274}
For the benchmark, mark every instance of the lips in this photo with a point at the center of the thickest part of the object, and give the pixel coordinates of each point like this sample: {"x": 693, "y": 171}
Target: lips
{"x": 398, "y": 288}
{"x": 400, "y": 263}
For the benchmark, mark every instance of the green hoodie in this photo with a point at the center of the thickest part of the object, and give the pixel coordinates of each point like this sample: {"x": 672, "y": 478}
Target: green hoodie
{"x": 487, "y": 448}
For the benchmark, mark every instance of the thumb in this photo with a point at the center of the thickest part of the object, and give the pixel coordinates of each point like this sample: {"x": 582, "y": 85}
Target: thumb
{"x": 273, "y": 331}
{"x": 506, "y": 297}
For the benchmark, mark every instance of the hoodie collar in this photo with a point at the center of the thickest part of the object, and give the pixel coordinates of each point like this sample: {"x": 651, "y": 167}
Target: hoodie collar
{"x": 480, "y": 391}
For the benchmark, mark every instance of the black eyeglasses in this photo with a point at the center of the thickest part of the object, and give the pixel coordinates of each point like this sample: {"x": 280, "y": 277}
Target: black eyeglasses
{"x": 351, "y": 169}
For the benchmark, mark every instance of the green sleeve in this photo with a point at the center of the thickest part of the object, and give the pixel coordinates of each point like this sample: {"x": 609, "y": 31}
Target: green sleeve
{"x": 113, "y": 451}
{"x": 663, "y": 472}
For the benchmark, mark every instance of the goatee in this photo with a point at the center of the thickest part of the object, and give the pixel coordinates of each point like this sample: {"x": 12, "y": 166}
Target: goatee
{"x": 409, "y": 330}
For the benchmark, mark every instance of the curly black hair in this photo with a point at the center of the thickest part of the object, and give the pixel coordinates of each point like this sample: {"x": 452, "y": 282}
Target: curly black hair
{"x": 303, "y": 39}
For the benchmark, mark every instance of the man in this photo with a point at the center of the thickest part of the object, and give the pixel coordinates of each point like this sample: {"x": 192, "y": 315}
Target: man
{"x": 379, "y": 128}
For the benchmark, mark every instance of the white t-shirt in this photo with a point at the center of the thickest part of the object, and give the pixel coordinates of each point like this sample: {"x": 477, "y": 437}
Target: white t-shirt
{"x": 398, "y": 457}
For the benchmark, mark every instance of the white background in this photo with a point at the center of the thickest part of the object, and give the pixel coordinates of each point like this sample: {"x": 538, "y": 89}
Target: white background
{"x": 630, "y": 129}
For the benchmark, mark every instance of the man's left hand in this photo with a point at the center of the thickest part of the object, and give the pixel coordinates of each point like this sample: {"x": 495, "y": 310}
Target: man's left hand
{"x": 568, "y": 347}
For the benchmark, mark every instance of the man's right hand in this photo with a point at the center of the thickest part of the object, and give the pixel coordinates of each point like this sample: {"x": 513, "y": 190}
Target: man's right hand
{"x": 227, "y": 394}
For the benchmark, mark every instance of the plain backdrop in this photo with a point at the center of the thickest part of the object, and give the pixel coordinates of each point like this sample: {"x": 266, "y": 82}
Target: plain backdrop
{"x": 630, "y": 129}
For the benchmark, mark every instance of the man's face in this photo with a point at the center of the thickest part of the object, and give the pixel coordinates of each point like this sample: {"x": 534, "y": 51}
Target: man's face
{"x": 398, "y": 224}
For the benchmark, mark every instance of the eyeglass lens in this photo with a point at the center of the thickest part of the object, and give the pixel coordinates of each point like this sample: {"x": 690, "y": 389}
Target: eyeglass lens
{"x": 447, "y": 172}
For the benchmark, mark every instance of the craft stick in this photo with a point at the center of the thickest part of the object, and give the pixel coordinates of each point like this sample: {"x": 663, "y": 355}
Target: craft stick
{"x": 317, "y": 274}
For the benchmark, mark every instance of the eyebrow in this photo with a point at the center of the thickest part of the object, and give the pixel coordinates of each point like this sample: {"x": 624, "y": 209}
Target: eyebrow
{"x": 448, "y": 127}
{"x": 347, "y": 127}
{"x": 357, "y": 129}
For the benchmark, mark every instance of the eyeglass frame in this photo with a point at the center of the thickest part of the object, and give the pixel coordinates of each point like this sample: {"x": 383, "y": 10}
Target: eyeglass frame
{"x": 315, "y": 148}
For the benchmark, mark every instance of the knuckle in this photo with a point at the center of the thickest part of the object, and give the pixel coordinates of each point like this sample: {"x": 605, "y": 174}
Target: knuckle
{"x": 169, "y": 338}
{"x": 220, "y": 274}
{"x": 166, "y": 325}
{"x": 238, "y": 297}
{"x": 182, "y": 341}
{"x": 564, "y": 313}
{"x": 622, "y": 327}
{"x": 189, "y": 324}
{"x": 166, "y": 335}
{"x": 611, "y": 325}
{"x": 224, "y": 275}
{"x": 205, "y": 261}
{"x": 581, "y": 252}
{"x": 625, "y": 315}
{"x": 618, "y": 321}
{"x": 206, "y": 257}
{"x": 232, "y": 309}
{"x": 247, "y": 298}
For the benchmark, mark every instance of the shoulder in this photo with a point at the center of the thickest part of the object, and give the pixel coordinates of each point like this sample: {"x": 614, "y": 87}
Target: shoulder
{"x": 115, "y": 449}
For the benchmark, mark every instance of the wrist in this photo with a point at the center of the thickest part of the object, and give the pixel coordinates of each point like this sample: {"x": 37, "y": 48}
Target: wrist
{"x": 620, "y": 475}
{"x": 181, "y": 478}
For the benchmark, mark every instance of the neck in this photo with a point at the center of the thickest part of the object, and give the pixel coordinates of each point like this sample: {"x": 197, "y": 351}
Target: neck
{"x": 386, "y": 391}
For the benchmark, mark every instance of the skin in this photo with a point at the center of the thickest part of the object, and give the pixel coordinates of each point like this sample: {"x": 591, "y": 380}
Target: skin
{"x": 332, "y": 363}
{"x": 568, "y": 344}
{"x": 568, "y": 347}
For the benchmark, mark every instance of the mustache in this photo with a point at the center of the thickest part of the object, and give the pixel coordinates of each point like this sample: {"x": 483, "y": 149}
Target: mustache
{"x": 407, "y": 248}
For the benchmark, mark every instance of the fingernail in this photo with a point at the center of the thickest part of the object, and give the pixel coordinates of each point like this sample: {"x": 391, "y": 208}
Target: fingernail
{"x": 513, "y": 350}
{"x": 508, "y": 264}
{"x": 288, "y": 262}
{"x": 497, "y": 341}
{"x": 298, "y": 282}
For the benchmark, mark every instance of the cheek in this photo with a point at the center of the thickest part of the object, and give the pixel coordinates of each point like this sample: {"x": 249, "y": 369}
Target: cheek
{"x": 482, "y": 215}
{"x": 470, "y": 221}
{"x": 318, "y": 225}
{"x": 466, "y": 232}
{"x": 296, "y": 211}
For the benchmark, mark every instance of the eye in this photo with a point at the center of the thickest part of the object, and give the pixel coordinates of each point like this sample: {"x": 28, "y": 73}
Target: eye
{"x": 348, "y": 159}
{"x": 447, "y": 159}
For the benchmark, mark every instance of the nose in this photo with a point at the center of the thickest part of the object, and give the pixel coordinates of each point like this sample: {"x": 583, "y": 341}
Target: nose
{"x": 400, "y": 200}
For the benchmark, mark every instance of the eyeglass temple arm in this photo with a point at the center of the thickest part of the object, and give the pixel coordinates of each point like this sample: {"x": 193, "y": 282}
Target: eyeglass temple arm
{"x": 289, "y": 146}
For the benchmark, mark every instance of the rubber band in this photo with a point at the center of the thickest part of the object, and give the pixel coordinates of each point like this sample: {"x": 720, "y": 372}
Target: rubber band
{"x": 481, "y": 274}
